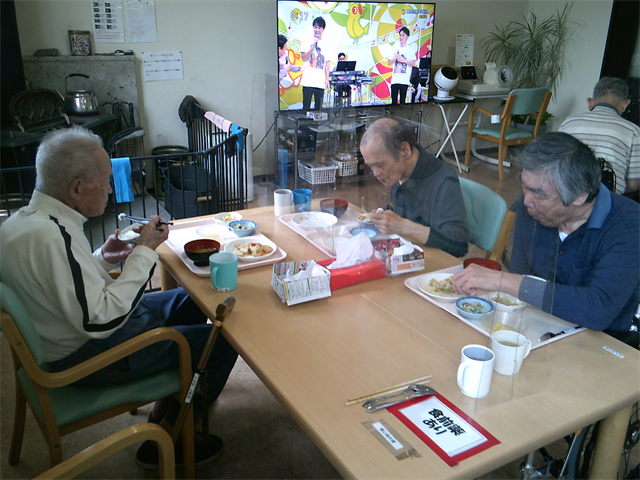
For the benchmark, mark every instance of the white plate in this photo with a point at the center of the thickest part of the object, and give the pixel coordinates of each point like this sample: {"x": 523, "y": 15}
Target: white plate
{"x": 221, "y": 216}
{"x": 308, "y": 220}
{"x": 423, "y": 285}
{"x": 133, "y": 236}
{"x": 234, "y": 244}
{"x": 214, "y": 231}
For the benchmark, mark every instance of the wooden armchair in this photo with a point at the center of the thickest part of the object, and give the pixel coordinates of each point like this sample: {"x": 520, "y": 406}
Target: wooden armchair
{"x": 60, "y": 407}
{"x": 106, "y": 447}
{"x": 531, "y": 102}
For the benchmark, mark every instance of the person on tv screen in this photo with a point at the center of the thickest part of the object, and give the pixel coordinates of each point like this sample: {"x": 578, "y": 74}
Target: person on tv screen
{"x": 404, "y": 57}
{"x": 315, "y": 76}
{"x": 343, "y": 91}
{"x": 283, "y": 58}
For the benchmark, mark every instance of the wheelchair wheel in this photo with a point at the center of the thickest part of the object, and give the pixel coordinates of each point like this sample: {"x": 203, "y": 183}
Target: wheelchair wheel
{"x": 629, "y": 467}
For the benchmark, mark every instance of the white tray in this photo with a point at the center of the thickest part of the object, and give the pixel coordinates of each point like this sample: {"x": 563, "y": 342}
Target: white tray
{"x": 537, "y": 321}
{"x": 319, "y": 237}
{"x": 184, "y": 232}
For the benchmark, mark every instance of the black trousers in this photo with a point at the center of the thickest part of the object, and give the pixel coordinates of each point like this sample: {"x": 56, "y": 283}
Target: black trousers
{"x": 398, "y": 88}
{"x": 308, "y": 93}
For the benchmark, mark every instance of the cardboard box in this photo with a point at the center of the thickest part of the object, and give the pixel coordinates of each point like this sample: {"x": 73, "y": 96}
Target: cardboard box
{"x": 293, "y": 292}
{"x": 398, "y": 264}
{"x": 355, "y": 274}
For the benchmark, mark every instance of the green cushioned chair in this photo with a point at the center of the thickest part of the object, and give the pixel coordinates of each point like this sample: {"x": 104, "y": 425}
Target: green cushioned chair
{"x": 60, "y": 407}
{"x": 531, "y": 102}
{"x": 488, "y": 220}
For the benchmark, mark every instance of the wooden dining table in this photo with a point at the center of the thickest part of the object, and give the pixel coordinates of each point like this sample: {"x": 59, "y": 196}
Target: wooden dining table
{"x": 315, "y": 355}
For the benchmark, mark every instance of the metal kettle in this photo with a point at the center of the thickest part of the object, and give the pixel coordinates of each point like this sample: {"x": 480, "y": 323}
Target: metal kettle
{"x": 80, "y": 102}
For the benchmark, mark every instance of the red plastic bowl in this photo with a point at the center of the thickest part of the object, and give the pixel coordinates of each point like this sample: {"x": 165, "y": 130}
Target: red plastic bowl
{"x": 485, "y": 262}
{"x": 200, "y": 250}
{"x": 334, "y": 206}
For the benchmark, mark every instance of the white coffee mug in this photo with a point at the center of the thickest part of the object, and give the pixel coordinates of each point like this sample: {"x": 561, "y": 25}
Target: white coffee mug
{"x": 510, "y": 349}
{"x": 282, "y": 201}
{"x": 475, "y": 370}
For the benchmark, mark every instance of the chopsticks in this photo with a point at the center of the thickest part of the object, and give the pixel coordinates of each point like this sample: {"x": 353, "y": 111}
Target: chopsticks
{"x": 141, "y": 220}
{"x": 386, "y": 391}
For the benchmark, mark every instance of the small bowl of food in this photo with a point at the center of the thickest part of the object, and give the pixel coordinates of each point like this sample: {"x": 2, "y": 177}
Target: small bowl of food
{"x": 369, "y": 231}
{"x": 334, "y": 206}
{"x": 365, "y": 219}
{"x": 243, "y": 228}
{"x": 505, "y": 302}
{"x": 127, "y": 235}
{"x": 473, "y": 308}
{"x": 227, "y": 217}
{"x": 484, "y": 262}
{"x": 199, "y": 251}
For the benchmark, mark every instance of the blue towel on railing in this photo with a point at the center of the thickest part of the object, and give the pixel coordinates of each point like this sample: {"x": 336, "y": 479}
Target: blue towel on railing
{"x": 240, "y": 142}
{"x": 122, "y": 179}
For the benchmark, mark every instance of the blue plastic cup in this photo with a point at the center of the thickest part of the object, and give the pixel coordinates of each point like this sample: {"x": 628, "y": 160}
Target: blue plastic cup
{"x": 302, "y": 200}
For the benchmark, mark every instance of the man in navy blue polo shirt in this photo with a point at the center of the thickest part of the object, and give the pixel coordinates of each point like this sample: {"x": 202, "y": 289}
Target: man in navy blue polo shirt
{"x": 576, "y": 251}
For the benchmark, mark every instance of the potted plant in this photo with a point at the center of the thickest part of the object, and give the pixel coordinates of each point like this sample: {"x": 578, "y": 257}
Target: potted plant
{"x": 533, "y": 49}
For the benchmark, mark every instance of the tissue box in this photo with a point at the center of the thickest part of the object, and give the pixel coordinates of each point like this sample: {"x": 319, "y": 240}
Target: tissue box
{"x": 398, "y": 264}
{"x": 355, "y": 274}
{"x": 298, "y": 291}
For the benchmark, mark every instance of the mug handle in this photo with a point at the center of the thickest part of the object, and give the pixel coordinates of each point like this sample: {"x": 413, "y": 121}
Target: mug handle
{"x": 461, "y": 370}
{"x": 526, "y": 353}
{"x": 214, "y": 276}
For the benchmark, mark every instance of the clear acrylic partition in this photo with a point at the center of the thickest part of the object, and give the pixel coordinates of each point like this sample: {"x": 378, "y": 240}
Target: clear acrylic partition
{"x": 512, "y": 315}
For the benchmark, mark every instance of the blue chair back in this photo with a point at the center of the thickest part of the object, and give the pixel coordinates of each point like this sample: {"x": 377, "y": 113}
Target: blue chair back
{"x": 528, "y": 100}
{"x": 485, "y": 213}
{"x": 10, "y": 302}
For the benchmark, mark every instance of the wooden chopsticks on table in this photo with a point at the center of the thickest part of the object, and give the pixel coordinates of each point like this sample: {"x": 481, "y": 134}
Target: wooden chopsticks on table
{"x": 386, "y": 391}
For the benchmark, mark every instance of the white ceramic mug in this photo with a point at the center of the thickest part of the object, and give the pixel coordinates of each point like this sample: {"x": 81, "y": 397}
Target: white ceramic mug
{"x": 282, "y": 201}
{"x": 510, "y": 348}
{"x": 475, "y": 370}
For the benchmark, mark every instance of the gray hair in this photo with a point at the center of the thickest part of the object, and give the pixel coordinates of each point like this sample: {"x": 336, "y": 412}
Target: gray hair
{"x": 567, "y": 162}
{"x": 392, "y": 133}
{"x": 611, "y": 86}
{"x": 65, "y": 155}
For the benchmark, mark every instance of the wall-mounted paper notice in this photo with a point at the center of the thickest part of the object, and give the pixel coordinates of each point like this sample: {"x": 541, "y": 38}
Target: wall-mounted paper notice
{"x": 108, "y": 26}
{"x": 464, "y": 49}
{"x": 141, "y": 21}
{"x": 162, "y": 66}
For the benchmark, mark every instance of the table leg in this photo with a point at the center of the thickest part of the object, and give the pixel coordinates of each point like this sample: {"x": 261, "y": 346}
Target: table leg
{"x": 609, "y": 444}
{"x": 167, "y": 282}
{"x": 449, "y": 137}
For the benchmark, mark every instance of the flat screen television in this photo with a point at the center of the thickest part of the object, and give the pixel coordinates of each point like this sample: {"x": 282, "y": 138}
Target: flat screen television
{"x": 389, "y": 42}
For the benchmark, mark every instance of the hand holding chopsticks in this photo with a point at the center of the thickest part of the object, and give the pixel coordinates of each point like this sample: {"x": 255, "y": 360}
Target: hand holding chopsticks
{"x": 386, "y": 391}
{"x": 141, "y": 220}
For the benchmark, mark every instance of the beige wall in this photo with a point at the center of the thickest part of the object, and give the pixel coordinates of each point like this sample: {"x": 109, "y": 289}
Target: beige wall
{"x": 229, "y": 54}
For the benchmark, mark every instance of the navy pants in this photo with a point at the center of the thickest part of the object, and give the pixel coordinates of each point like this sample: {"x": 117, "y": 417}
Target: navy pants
{"x": 308, "y": 93}
{"x": 175, "y": 309}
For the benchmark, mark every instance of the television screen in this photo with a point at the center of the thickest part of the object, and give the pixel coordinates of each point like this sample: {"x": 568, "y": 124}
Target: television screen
{"x": 390, "y": 44}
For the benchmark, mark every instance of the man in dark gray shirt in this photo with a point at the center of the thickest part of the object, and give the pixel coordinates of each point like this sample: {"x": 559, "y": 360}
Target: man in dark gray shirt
{"x": 425, "y": 192}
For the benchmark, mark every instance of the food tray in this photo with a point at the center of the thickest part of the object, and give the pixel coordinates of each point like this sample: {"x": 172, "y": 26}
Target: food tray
{"x": 347, "y": 168}
{"x": 182, "y": 232}
{"x": 537, "y": 321}
{"x": 323, "y": 238}
{"x": 317, "y": 173}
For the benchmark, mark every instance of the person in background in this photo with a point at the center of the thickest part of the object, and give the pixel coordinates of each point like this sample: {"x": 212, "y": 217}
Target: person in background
{"x": 576, "y": 247}
{"x": 425, "y": 192}
{"x": 315, "y": 76}
{"x": 77, "y": 308}
{"x": 403, "y": 58}
{"x": 610, "y": 136}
